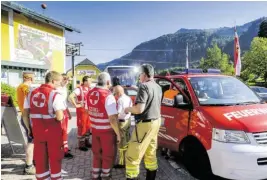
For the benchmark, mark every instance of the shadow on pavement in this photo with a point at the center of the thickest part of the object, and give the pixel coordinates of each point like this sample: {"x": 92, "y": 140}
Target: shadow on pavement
{"x": 16, "y": 169}
{"x": 6, "y": 151}
{"x": 177, "y": 158}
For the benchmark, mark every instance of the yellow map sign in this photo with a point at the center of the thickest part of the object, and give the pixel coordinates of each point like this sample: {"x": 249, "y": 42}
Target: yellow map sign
{"x": 34, "y": 46}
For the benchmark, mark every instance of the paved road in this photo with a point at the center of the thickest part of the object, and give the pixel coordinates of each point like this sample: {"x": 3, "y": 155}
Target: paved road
{"x": 80, "y": 166}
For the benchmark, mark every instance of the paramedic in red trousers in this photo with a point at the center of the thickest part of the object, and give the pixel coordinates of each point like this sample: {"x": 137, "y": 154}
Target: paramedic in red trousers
{"x": 67, "y": 116}
{"x": 43, "y": 113}
{"x": 83, "y": 121}
{"x": 104, "y": 116}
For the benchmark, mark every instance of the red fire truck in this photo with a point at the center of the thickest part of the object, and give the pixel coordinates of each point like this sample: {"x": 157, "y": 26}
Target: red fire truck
{"x": 216, "y": 123}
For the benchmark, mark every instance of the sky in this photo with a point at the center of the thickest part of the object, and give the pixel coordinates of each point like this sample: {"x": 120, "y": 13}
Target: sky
{"x": 112, "y": 29}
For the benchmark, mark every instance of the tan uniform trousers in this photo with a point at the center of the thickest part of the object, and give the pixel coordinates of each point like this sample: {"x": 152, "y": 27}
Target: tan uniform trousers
{"x": 145, "y": 145}
{"x": 125, "y": 137}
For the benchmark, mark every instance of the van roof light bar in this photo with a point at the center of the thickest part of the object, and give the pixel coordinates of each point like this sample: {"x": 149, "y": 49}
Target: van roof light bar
{"x": 213, "y": 71}
{"x": 197, "y": 71}
{"x": 193, "y": 71}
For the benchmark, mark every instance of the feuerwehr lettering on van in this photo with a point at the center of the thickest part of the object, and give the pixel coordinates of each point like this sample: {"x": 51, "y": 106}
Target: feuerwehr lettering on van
{"x": 245, "y": 113}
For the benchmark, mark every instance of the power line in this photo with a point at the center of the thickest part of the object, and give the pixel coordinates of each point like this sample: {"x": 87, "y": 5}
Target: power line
{"x": 159, "y": 62}
{"x": 145, "y": 50}
{"x": 156, "y": 50}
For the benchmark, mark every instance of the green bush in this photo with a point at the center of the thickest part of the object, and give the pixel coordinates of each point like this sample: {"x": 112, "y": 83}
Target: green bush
{"x": 9, "y": 90}
{"x": 251, "y": 83}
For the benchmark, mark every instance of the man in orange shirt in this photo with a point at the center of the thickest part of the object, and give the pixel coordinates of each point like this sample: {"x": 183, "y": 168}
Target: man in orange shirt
{"x": 169, "y": 95}
{"x": 22, "y": 91}
{"x": 168, "y": 100}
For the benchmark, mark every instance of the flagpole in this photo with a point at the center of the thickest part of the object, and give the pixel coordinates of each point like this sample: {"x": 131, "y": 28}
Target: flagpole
{"x": 234, "y": 46}
{"x": 187, "y": 61}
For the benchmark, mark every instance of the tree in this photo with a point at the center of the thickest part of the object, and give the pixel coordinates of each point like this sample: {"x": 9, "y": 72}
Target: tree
{"x": 218, "y": 60}
{"x": 202, "y": 63}
{"x": 263, "y": 29}
{"x": 255, "y": 60}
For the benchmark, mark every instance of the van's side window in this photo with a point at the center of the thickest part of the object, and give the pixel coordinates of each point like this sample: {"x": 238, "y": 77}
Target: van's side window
{"x": 165, "y": 86}
{"x": 182, "y": 86}
{"x": 169, "y": 91}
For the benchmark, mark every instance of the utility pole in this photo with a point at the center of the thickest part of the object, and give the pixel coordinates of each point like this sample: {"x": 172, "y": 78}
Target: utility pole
{"x": 73, "y": 49}
{"x": 72, "y": 65}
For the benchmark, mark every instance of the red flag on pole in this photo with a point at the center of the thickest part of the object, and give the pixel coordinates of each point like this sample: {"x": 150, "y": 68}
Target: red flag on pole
{"x": 237, "y": 57}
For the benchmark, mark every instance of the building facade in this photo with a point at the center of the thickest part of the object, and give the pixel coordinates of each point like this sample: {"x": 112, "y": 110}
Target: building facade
{"x": 84, "y": 68}
{"x": 30, "y": 42}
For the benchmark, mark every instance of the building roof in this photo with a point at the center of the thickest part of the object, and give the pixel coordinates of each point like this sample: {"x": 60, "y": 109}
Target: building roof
{"x": 32, "y": 14}
{"x": 85, "y": 62}
{"x": 24, "y": 65}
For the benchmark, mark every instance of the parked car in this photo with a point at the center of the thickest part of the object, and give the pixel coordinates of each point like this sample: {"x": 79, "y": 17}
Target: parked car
{"x": 216, "y": 123}
{"x": 261, "y": 91}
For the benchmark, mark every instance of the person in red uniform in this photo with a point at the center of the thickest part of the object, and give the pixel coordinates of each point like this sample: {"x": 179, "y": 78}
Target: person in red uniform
{"x": 43, "y": 113}
{"x": 67, "y": 116}
{"x": 103, "y": 114}
{"x": 83, "y": 121}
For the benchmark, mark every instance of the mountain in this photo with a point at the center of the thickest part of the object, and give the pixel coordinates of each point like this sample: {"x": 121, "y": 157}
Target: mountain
{"x": 170, "y": 50}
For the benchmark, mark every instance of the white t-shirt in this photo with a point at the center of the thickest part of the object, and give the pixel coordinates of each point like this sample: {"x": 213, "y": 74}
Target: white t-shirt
{"x": 124, "y": 101}
{"x": 58, "y": 103}
{"x": 77, "y": 91}
{"x": 111, "y": 105}
{"x": 64, "y": 92}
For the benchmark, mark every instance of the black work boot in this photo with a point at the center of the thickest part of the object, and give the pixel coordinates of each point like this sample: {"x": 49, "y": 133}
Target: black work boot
{"x": 151, "y": 175}
{"x": 106, "y": 178}
{"x": 99, "y": 178}
{"x": 87, "y": 143}
{"x": 82, "y": 146}
{"x": 68, "y": 155}
{"x": 135, "y": 178}
{"x": 119, "y": 166}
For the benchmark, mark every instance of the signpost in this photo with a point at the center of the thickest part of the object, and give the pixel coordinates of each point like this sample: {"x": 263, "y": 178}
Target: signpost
{"x": 73, "y": 49}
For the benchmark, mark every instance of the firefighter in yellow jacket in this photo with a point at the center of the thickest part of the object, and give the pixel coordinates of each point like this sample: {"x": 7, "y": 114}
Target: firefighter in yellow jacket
{"x": 144, "y": 137}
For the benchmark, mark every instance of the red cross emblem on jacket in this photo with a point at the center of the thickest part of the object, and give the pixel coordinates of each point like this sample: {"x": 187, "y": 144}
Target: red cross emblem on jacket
{"x": 94, "y": 97}
{"x": 38, "y": 99}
